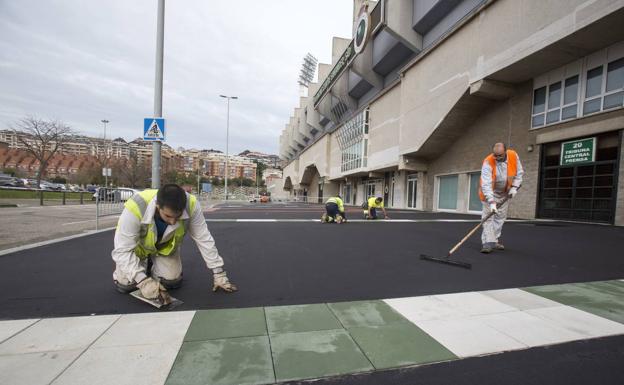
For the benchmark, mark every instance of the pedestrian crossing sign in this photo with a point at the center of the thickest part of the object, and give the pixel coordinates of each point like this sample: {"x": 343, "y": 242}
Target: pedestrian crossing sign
{"x": 154, "y": 129}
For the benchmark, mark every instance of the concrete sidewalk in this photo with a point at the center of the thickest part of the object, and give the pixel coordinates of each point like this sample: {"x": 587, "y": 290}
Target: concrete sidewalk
{"x": 264, "y": 345}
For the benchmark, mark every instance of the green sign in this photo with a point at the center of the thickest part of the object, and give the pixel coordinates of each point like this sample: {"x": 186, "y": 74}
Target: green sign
{"x": 578, "y": 151}
{"x": 341, "y": 65}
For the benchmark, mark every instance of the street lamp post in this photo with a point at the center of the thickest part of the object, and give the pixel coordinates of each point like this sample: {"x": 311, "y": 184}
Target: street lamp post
{"x": 227, "y": 143}
{"x": 105, "y": 153}
{"x": 158, "y": 90}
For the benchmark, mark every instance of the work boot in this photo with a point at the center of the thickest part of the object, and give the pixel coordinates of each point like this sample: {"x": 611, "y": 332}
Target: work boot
{"x": 487, "y": 248}
{"x": 323, "y": 218}
{"x": 499, "y": 246}
{"x": 125, "y": 289}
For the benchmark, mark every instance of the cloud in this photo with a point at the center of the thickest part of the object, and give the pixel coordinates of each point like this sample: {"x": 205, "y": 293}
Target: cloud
{"x": 81, "y": 62}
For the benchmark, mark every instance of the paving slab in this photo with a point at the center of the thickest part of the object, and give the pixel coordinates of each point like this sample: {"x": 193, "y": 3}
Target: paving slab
{"x": 10, "y": 328}
{"x": 605, "y": 299}
{"x": 520, "y": 299}
{"x": 365, "y": 313}
{"x": 143, "y": 329}
{"x": 529, "y": 329}
{"x": 122, "y": 365}
{"x": 469, "y": 337}
{"x": 55, "y": 334}
{"x": 579, "y": 321}
{"x": 226, "y": 323}
{"x": 473, "y": 303}
{"x": 232, "y": 361}
{"x": 300, "y": 318}
{"x": 316, "y": 354}
{"x": 399, "y": 344}
{"x": 35, "y": 368}
{"x": 424, "y": 308}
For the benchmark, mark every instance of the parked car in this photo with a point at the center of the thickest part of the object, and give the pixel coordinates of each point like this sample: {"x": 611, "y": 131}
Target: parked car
{"x": 45, "y": 185}
{"x": 253, "y": 198}
{"x": 265, "y": 199}
{"x": 10, "y": 181}
{"x": 114, "y": 195}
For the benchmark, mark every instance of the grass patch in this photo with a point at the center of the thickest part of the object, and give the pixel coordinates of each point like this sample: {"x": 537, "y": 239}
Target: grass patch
{"x": 29, "y": 194}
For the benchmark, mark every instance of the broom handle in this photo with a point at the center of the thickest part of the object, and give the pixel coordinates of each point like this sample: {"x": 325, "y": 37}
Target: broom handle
{"x": 476, "y": 228}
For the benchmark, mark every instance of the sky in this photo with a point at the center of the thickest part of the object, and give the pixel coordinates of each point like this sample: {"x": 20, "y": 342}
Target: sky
{"x": 83, "y": 61}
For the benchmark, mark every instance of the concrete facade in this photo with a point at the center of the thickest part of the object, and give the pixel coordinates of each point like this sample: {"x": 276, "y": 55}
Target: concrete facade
{"x": 470, "y": 80}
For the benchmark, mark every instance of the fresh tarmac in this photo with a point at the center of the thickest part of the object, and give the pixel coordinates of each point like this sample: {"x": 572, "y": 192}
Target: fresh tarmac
{"x": 292, "y": 263}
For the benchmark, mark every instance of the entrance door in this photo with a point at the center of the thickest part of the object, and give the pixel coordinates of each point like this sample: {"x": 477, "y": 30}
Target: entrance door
{"x": 411, "y": 191}
{"x": 582, "y": 190}
{"x": 370, "y": 190}
{"x": 346, "y": 193}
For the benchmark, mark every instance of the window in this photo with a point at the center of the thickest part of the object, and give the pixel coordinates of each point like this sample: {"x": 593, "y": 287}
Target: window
{"x": 447, "y": 194}
{"x": 552, "y": 104}
{"x": 615, "y": 85}
{"x": 352, "y": 140}
{"x": 604, "y": 92}
{"x": 474, "y": 201}
{"x": 570, "y": 98}
{"x": 539, "y": 106}
{"x": 593, "y": 90}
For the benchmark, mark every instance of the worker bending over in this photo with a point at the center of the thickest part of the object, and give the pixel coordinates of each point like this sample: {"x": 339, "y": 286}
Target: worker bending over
{"x": 501, "y": 176}
{"x": 371, "y": 206}
{"x": 148, "y": 239}
{"x": 334, "y": 211}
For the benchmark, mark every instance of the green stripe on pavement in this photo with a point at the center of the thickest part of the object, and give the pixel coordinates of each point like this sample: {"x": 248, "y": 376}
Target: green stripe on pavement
{"x": 262, "y": 345}
{"x": 603, "y": 298}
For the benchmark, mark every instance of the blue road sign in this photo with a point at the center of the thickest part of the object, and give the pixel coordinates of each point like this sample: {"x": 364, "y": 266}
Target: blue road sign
{"x": 154, "y": 129}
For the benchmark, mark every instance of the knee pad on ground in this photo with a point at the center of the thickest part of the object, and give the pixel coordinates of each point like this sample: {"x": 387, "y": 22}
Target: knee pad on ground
{"x": 171, "y": 283}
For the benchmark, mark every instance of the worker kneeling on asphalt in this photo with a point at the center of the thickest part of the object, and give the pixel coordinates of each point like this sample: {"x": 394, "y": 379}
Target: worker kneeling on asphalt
{"x": 501, "y": 176}
{"x": 148, "y": 239}
{"x": 334, "y": 211}
{"x": 371, "y": 206}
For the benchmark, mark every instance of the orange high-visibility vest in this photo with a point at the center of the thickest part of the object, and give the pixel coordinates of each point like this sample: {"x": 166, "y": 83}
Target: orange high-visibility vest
{"x": 512, "y": 170}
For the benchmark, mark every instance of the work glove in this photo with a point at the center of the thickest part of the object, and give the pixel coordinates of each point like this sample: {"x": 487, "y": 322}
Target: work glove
{"x": 493, "y": 208}
{"x": 512, "y": 192}
{"x": 222, "y": 282}
{"x": 151, "y": 288}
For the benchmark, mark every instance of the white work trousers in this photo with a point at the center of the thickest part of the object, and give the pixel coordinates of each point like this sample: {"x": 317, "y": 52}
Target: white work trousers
{"x": 493, "y": 227}
{"x": 167, "y": 267}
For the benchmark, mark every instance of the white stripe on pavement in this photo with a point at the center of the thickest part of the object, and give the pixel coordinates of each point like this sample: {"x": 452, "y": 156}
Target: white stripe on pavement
{"x": 51, "y": 241}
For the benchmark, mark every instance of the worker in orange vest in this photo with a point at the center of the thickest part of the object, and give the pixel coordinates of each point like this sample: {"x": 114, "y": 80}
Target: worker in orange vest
{"x": 501, "y": 176}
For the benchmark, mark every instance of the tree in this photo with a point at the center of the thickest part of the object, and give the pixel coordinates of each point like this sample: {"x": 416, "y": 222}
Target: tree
{"x": 42, "y": 139}
{"x": 260, "y": 167}
{"x": 132, "y": 173}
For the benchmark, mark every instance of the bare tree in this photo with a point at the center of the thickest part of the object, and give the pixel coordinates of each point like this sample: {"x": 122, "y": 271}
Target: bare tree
{"x": 42, "y": 139}
{"x": 132, "y": 172}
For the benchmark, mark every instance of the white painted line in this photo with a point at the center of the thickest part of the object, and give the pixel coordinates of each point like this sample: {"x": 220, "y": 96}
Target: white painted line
{"x": 51, "y": 241}
{"x": 88, "y": 220}
{"x": 256, "y": 220}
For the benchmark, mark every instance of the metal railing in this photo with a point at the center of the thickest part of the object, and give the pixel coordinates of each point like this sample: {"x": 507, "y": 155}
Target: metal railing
{"x": 43, "y": 195}
{"x": 110, "y": 201}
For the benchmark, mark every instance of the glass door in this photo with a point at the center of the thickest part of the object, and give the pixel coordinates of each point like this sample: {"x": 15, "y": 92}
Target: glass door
{"x": 411, "y": 192}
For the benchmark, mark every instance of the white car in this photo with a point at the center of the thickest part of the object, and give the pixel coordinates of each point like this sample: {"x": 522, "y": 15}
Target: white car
{"x": 114, "y": 195}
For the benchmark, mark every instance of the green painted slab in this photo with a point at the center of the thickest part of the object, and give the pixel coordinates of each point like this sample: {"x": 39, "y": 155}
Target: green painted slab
{"x": 226, "y": 323}
{"x": 365, "y": 313}
{"x": 234, "y": 361}
{"x": 316, "y": 354}
{"x": 300, "y": 318}
{"x": 605, "y": 299}
{"x": 399, "y": 344}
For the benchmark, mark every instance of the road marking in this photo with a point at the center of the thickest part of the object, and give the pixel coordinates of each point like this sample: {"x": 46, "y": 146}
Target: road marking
{"x": 88, "y": 220}
{"x": 52, "y": 241}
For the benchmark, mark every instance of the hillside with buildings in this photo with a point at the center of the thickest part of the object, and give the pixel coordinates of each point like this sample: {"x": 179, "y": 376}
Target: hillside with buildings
{"x": 82, "y": 156}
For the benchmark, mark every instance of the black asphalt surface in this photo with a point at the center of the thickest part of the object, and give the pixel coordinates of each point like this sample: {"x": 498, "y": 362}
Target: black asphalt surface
{"x": 304, "y": 262}
{"x": 294, "y": 263}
